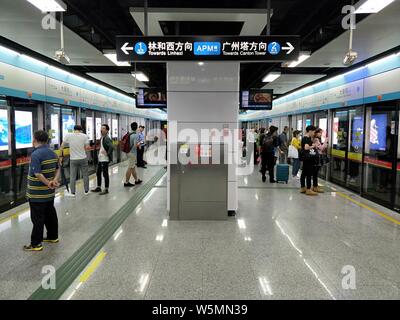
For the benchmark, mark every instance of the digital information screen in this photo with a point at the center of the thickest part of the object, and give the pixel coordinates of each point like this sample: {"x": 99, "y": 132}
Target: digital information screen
{"x": 151, "y": 98}
{"x": 23, "y": 129}
{"x": 378, "y": 132}
{"x": 68, "y": 123}
{"x": 256, "y": 99}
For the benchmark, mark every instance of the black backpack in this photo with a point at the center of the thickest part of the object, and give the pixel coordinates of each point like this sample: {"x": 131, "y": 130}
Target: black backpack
{"x": 267, "y": 144}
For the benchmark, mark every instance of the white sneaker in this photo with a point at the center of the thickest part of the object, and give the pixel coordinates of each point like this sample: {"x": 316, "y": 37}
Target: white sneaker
{"x": 70, "y": 195}
{"x": 86, "y": 193}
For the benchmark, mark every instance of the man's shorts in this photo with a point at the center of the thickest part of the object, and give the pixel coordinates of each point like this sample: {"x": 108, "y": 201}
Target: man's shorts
{"x": 131, "y": 161}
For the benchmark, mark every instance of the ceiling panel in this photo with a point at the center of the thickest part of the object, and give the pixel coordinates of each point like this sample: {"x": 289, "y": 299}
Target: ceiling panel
{"x": 375, "y": 34}
{"x": 288, "y": 82}
{"x": 121, "y": 81}
{"x": 22, "y": 22}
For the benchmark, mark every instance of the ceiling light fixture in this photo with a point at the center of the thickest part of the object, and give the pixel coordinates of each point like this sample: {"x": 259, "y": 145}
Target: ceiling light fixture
{"x": 372, "y": 6}
{"x": 272, "y": 76}
{"x": 140, "y": 76}
{"x": 49, "y": 5}
{"x": 113, "y": 58}
{"x": 303, "y": 57}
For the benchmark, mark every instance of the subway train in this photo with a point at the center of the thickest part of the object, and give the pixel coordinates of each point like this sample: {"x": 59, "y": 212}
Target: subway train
{"x": 36, "y": 95}
{"x": 359, "y": 113}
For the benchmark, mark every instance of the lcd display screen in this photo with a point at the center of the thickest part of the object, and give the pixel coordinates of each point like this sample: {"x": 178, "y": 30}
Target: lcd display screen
{"x": 114, "y": 128}
{"x": 55, "y": 128}
{"x": 23, "y": 129}
{"x": 3, "y": 130}
{"x": 151, "y": 98}
{"x": 378, "y": 132}
{"x": 256, "y": 99}
{"x": 98, "y": 128}
{"x": 357, "y": 134}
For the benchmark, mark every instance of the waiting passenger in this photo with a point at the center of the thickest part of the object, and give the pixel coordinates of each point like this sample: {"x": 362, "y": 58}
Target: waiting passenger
{"x": 43, "y": 179}
{"x": 309, "y": 156}
{"x": 268, "y": 160}
{"x": 283, "y": 145}
{"x": 296, "y": 145}
{"x": 321, "y": 149}
{"x": 78, "y": 143}
{"x": 104, "y": 158}
{"x": 132, "y": 157}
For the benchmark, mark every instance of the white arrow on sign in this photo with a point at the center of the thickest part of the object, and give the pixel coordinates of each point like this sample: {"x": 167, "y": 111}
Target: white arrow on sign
{"x": 125, "y": 48}
{"x": 290, "y": 48}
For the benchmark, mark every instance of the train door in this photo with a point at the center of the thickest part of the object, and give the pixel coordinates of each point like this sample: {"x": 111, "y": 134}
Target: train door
{"x": 380, "y": 153}
{"x": 321, "y": 121}
{"x": 339, "y": 142}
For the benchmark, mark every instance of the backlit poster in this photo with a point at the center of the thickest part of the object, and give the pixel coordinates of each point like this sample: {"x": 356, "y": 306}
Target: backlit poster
{"x": 55, "y": 129}
{"x": 115, "y": 128}
{"x": 335, "y": 130}
{"x": 98, "y": 128}
{"x": 357, "y": 134}
{"x": 378, "y": 132}
{"x": 3, "y": 130}
{"x": 308, "y": 122}
{"x": 322, "y": 124}
{"x": 23, "y": 129}
{"x": 89, "y": 127}
{"x": 300, "y": 125}
{"x": 68, "y": 123}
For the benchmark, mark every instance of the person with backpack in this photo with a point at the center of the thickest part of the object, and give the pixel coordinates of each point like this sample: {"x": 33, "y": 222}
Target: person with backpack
{"x": 283, "y": 145}
{"x": 268, "y": 145}
{"x": 309, "y": 156}
{"x": 130, "y": 144}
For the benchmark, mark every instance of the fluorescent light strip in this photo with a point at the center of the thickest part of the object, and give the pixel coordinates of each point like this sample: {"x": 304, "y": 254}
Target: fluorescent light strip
{"x": 140, "y": 76}
{"x": 272, "y": 76}
{"x": 372, "y": 6}
{"x": 49, "y": 5}
{"x": 113, "y": 58}
{"x": 302, "y": 58}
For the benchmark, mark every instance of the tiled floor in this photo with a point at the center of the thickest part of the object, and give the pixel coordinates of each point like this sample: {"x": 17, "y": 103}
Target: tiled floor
{"x": 79, "y": 219}
{"x": 280, "y": 245}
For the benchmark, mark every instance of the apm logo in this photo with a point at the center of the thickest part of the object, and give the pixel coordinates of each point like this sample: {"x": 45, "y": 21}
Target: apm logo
{"x": 207, "y": 48}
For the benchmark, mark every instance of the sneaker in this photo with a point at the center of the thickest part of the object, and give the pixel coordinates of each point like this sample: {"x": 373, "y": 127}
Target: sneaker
{"x": 128, "y": 184}
{"x": 138, "y": 182}
{"x": 272, "y": 181}
{"x": 105, "y": 191}
{"x": 70, "y": 195}
{"x": 264, "y": 178}
{"x": 86, "y": 193}
{"x": 318, "y": 189}
{"x": 51, "y": 240}
{"x": 98, "y": 189}
{"x": 309, "y": 192}
{"x": 303, "y": 190}
{"x": 30, "y": 247}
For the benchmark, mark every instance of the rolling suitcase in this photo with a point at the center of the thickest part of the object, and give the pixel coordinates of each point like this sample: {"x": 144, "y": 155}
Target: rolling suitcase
{"x": 282, "y": 173}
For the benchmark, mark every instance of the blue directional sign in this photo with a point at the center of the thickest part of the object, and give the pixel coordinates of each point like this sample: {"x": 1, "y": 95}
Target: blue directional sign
{"x": 207, "y": 48}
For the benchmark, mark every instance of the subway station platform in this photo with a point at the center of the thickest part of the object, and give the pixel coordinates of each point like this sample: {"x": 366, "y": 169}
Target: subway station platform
{"x": 280, "y": 245}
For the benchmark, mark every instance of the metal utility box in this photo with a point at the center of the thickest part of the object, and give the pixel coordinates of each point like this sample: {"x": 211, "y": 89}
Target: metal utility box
{"x": 199, "y": 186}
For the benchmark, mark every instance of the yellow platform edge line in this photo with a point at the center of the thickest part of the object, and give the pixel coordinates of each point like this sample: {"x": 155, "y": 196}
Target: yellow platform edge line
{"x": 92, "y": 267}
{"x": 369, "y": 208}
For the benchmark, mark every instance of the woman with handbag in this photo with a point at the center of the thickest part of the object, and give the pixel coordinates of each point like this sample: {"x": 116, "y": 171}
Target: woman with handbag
{"x": 309, "y": 156}
{"x": 294, "y": 148}
{"x": 321, "y": 148}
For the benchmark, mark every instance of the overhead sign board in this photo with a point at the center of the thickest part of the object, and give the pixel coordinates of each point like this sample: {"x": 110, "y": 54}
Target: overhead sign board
{"x": 233, "y": 48}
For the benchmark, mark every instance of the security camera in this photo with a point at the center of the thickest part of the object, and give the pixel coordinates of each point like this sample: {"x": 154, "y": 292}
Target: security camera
{"x": 62, "y": 57}
{"x": 350, "y": 57}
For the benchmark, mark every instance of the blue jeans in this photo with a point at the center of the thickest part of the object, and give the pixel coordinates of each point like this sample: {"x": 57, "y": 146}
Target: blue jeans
{"x": 296, "y": 167}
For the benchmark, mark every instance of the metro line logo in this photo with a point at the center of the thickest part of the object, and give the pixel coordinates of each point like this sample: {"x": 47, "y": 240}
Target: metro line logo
{"x": 207, "y": 48}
